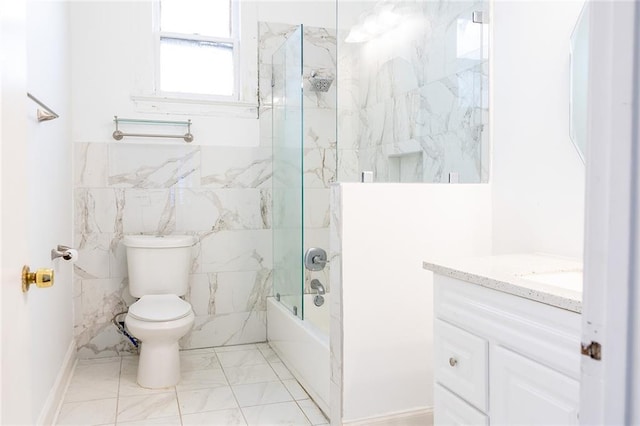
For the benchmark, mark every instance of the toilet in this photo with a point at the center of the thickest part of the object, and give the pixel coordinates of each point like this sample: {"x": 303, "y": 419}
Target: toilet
{"x": 158, "y": 275}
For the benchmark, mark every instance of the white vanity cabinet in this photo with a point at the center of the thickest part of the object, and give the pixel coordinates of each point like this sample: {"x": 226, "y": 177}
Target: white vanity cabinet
{"x": 502, "y": 359}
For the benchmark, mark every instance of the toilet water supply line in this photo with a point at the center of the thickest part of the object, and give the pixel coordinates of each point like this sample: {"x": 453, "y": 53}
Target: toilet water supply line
{"x": 123, "y": 330}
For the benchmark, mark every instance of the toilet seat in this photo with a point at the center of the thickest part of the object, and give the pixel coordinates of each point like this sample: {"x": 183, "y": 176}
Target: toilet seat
{"x": 159, "y": 308}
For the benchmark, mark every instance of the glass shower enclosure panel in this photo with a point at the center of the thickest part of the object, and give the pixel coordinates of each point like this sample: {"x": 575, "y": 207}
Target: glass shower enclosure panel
{"x": 413, "y": 92}
{"x": 287, "y": 177}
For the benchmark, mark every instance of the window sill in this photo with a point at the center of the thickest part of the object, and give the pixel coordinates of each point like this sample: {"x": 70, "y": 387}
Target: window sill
{"x": 194, "y": 106}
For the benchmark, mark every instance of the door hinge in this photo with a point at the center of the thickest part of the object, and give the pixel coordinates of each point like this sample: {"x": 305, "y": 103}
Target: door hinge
{"x": 592, "y": 350}
{"x": 478, "y": 17}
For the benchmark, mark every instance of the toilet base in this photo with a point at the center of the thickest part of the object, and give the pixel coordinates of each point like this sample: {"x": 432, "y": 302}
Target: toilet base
{"x": 159, "y": 365}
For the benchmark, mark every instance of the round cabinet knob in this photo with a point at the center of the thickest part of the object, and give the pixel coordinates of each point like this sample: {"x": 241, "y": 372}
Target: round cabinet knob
{"x": 453, "y": 362}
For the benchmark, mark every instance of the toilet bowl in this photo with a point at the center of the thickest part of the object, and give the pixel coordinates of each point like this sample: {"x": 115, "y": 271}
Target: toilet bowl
{"x": 159, "y": 321}
{"x": 158, "y": 275}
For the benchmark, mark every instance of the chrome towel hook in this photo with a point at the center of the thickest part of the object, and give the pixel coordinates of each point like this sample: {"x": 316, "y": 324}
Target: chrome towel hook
{"x": 47, "y": 114}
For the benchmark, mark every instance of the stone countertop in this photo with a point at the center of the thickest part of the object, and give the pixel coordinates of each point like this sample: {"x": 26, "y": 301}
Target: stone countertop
{"x": 555, "y": 281}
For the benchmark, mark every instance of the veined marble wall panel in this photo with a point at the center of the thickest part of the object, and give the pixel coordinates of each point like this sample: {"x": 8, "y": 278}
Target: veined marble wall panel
{"x": 227, "y": 329}
{"x": 319, "y": 167}
{"x": 231, "y": 167}
{"x": 229, "y": 308}
{"x": 348, "y": 165}
{"x": 335, "y": 307}
{"x": 142, "y": 166}
{"x": 319, "y": 56}
{"x": 320, "y": 147}
{"x": 236, "y": 251}
{"x": 418, "y": 94}
{"x": 319, "y": 59}
{"x": 221, "y": 195}
{"x": 223, "y": 209}
{"x": 270, "y": 37}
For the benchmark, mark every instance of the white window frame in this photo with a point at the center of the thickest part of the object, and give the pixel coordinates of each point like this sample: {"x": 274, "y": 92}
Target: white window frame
{"x": 234, "y": 39}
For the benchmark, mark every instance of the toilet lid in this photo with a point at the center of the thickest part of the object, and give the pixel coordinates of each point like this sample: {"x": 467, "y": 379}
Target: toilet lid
{"x": 160, "y": 307}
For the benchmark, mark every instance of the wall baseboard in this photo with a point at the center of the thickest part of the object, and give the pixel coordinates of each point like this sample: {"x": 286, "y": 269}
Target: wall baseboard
{"x": 52, "y": 405}
{"x": 422, "y": 417}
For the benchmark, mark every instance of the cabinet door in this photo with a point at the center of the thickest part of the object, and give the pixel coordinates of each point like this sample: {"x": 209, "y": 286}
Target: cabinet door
{"x": 524, "y": 392}
{"x": 451, "y": 410}
{"x": 460, "y": 363}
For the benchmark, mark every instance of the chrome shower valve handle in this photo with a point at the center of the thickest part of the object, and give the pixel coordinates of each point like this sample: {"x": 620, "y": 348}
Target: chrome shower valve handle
{"x": 315, "y": 259}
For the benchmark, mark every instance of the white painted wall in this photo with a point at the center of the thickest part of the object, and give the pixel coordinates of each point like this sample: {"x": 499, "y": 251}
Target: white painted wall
{"x": 315, "y": 13}
{"x": 537, "y": 177}
{"x": 113, "y": 66}
{"x": 387, "y": 231}
{"x": 113, "y": 62}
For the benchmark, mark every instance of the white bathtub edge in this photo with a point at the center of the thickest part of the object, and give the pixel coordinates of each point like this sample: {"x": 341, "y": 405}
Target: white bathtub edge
{"x": 302, "y": 350}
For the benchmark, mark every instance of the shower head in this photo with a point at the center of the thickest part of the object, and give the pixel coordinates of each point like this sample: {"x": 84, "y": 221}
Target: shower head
{"x": 320, "y": 84}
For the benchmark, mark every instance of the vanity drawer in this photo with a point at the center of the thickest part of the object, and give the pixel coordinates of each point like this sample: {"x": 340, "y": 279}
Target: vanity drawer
{"x": 461, "y": 363}
{"x": 452, "y": 410}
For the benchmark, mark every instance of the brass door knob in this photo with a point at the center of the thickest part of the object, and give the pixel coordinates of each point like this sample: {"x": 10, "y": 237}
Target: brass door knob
{"x": 42, "y": 278}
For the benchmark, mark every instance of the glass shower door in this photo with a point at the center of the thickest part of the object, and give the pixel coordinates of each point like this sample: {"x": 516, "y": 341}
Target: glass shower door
{"x": 287, "y": 173}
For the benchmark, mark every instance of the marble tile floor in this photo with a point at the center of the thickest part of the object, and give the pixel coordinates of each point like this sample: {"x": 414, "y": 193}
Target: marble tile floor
{"x": 232, "y": 385}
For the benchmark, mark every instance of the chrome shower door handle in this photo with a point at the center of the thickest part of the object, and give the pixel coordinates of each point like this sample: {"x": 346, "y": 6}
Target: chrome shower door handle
{"x": 315, "y": 259}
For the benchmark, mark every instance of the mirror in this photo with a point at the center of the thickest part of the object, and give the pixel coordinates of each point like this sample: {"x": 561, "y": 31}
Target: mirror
{"x": 579, "y": 77}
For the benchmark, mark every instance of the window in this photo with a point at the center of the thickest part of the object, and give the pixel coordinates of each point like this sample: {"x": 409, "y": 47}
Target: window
{"x": 198, "y": 48}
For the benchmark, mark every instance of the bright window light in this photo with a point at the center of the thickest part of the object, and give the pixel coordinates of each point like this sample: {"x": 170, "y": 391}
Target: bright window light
{"x": 196, "y": 67}
{"x": 207, "y": 18}
{"x": 198, "y": 47}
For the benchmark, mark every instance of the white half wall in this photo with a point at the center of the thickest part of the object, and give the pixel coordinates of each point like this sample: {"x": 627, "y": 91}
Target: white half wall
{"x": 537, "y": 176}
{"x": 382, "y": 234}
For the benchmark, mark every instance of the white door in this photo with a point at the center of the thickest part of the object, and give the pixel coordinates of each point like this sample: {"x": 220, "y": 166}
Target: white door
{"x": 611, "y": 217}
{"x": 35, "y": 192}
{"x": 16, "y": 375}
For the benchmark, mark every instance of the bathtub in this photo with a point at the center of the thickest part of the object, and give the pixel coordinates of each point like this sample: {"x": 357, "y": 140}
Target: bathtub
{"x": 303, "y": 346}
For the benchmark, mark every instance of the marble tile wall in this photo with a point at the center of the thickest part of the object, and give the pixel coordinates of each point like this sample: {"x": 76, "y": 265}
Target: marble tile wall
{"x": 414, "y": 99}
{"x": 320, "y": 146}
{"x": 220, "y": 194}
{"x": 335, "y": 309}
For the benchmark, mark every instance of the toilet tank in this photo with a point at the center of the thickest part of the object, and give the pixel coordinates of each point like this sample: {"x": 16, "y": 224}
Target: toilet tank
{"x": 158, "y": 264}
